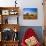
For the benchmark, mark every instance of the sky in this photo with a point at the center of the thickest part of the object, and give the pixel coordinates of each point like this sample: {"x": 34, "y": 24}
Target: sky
{"x": 30, "y": 10}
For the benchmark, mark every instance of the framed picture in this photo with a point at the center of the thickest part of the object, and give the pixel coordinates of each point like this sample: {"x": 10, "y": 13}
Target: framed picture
{"x": 5, "y": 12}
{"x": 30, "y": 13}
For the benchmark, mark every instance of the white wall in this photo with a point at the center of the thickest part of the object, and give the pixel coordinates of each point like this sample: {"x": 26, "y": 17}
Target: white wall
{"x": 7, "y": 3}
{"x": 12, "y": 20}
{"x": 32, "y": 4}
{"x": 27, "y": 4}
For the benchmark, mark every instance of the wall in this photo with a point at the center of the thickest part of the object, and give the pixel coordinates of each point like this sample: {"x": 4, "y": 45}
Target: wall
{"x": 32, "y": 4}
{"x": 27, "y": 4}
{"x": 12, "y": 20}
{"x": 7, "y": 3}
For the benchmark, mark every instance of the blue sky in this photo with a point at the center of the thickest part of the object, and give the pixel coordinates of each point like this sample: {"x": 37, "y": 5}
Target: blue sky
{"x": 30, "y": 10}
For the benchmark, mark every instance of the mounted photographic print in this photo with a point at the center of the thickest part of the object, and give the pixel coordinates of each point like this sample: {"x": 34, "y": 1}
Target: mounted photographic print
{"x": 30, "y": 13}
{"x": 5, "y": 12}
